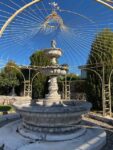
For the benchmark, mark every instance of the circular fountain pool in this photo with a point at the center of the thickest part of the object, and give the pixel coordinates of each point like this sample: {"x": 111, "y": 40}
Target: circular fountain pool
{"x": 57, "y": 118}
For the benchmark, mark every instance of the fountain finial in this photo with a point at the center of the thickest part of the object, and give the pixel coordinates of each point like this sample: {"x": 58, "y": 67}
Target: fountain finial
{"x": 53, "y": 44}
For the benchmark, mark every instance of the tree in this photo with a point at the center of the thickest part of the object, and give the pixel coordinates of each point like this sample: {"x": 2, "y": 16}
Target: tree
{"x": 101, "y": 53}
{"x": 39, "y": 58}
{"x": 9, "y": 78}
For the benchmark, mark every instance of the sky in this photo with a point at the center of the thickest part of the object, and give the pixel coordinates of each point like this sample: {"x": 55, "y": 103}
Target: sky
{"x": 83, "y": 20}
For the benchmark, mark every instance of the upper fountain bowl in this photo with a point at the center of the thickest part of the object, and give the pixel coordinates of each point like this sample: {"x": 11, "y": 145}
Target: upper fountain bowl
{"x": 53, "y": 52}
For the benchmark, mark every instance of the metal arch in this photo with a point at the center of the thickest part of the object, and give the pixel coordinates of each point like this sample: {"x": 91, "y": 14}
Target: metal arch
{"x": 94, "y": 72}
{"x": 18, "y": 71}
{"x": 102, "y": 84}
{"x": 102, "y": 78}
{"x": 34, "y": 77}
{"x": 104, "y": 3}
{"x": 110, "y": 91}
{"x": 15, "y": 14}
{"x": 28, "y": 5}
{"x": 110, "y": 76}
{"x": 36, "y": 1}
{"x": 75, "y": 13}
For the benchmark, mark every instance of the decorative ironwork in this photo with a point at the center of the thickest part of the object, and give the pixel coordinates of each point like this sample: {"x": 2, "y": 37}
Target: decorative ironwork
{"x": 106, "y": 87}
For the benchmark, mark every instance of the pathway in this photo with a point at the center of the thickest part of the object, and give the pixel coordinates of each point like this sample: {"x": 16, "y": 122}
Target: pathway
{"x": 109, "y": 130}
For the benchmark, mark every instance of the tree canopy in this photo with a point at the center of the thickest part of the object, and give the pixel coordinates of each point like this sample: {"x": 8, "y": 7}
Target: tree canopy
{"x": 39, "y": 58}
{"x": 101, "y": 53}
{"x": 102, "y": 48}
{"x": 9, "y": 77}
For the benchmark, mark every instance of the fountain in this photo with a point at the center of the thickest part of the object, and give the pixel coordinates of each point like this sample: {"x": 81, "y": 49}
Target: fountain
{"x": 52, "y": 114}
{"x": 54, "y": 123}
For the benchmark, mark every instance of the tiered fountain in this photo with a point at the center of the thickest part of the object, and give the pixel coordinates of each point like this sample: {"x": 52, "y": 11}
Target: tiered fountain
{"x": 52, "y": 114}
{"x": 53, "y": 123}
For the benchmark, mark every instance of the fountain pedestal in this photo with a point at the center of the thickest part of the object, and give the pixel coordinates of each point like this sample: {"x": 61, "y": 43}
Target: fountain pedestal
{"x": 53, "y": 95}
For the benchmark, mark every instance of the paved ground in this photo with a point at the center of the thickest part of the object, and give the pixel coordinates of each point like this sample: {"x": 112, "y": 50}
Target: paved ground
{"x": 109, "y": 130}
{"x": 6, "y": 122}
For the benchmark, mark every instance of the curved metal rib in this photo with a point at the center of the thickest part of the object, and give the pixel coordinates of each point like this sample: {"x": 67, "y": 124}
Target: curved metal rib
{"x": 15, "y": 14}
{"x": 105, "y": 3}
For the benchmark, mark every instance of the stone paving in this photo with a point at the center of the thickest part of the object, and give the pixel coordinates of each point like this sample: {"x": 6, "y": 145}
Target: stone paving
{"x": 109, "y": 130}
{"x": 6, "y": 122}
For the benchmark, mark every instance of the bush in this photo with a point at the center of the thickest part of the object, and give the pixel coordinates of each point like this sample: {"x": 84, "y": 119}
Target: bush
{"x": 5, "y": 109}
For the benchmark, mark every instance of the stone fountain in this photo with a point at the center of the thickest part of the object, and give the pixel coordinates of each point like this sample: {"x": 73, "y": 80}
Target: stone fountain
{"x": 55, "y": 122}
{"x": 52, "y": 114}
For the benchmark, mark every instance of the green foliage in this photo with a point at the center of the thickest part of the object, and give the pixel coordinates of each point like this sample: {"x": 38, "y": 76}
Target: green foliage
{"x": 101, "y": 52}
{"x": 78, "y": 86}
{"x": 8, "y": 80}
{"x": 39, "y": 58}
{"x": 9, "y": 77}
{"x": 70, "y": 77}
{"x": 40, "y": 86}
{"x": 102, "y": 48}
{"x": 5, "y": 108}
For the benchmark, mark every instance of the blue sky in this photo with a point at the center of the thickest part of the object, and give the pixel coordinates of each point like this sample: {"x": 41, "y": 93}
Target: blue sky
{"x": 83, "y": 18}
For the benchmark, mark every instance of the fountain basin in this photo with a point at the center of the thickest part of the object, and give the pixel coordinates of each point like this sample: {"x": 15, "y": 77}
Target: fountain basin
{"x": 53, "y": 52}
{"x": 60, "y": 118}
{"x": 54, "y": 70}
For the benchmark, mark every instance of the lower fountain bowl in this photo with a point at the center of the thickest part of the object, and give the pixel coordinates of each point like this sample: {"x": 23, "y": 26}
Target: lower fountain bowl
{"x": 62, "y": 118}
